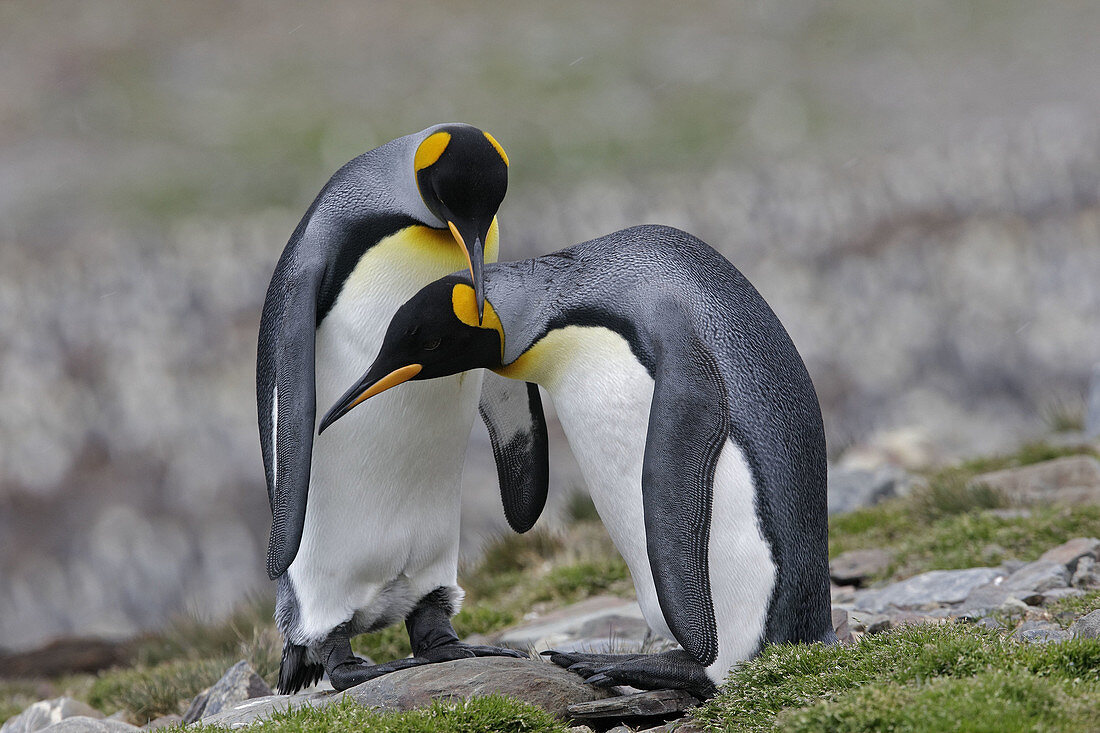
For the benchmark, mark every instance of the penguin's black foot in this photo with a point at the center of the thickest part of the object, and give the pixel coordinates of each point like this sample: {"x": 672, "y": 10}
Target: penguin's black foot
{"x": 675, "y": 670}
{"x": 462, "y": 650}
{"x": 354, "y": 671}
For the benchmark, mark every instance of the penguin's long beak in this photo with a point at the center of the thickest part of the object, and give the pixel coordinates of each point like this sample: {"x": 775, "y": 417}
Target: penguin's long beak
{"x": 371, "y": 384}
{"x": 475, "y": 259}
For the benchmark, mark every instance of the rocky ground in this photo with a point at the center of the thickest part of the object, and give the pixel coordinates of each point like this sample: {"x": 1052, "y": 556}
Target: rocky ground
{"x": 1036, "y": 514}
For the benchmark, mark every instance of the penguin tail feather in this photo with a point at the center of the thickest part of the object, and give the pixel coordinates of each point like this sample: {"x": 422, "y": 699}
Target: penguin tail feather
{"x": 297, "y": 670}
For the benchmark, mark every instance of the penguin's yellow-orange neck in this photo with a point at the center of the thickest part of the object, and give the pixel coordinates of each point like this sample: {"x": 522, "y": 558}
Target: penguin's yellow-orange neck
{"x": 567, "y": 351}
{"x": 416, "y": 255}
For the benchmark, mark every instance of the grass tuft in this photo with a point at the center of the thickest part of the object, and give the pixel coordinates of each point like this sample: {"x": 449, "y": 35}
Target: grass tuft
{"x": 490, "y": 713}
{"x": 843, "y": 687}
{"x": 146, "y": 692}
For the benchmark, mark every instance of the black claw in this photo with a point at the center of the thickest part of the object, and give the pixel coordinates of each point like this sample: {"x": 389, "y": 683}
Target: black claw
{"x": 600, "y": 680}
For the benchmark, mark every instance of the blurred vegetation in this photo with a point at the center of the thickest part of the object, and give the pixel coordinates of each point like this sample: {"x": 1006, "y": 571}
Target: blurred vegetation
{"x": 945, "y": 523}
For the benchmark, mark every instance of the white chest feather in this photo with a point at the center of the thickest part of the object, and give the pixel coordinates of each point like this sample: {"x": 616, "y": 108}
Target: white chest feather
{"x": 603, "y": 395}
{"x": 382, "y": 518}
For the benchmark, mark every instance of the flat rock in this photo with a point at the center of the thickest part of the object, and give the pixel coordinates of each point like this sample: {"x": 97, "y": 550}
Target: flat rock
{"x": 992, "y": 596}
{"x": 85, "y": 724}
{"x": 856, "y": 566}
{"x": 680, "y": 725}
{"x": 653, "y": 704}
{"x": 239, "y": 683}
{"x": 1039, "y": 576}
{"x": 533, "y": 681}
{"x": 261, "y": 708}
{"x": 853, "y": 488}
{"x": 579, "y": 625}
{"x": 1086, "y": 627}
{"x": 927, "y": 589}
{"x": 45, "y": 713}
{"x": 1073, "y": 480}
{"x": 1070, "y": 553}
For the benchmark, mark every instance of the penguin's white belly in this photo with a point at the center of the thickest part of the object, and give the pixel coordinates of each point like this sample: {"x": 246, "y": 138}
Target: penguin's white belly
{"x": 603, "y": 395}
{"x": 382, "y": 518}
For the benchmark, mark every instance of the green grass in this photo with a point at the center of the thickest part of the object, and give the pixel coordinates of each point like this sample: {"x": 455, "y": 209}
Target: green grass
{"x": 945, "y": 523}
{"x": 490, "y": 713}
{"x": 145, "y": 692}
{"x": 883, "y": 682}
{"x": 1067, "y": 610}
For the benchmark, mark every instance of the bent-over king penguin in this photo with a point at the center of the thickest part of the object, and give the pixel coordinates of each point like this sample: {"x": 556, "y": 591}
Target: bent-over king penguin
{"x": 365, "y": 519}
{"x": 693, "y": 419}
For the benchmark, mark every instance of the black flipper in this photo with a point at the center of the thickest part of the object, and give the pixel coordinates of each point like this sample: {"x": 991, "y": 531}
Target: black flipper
{"x": 512, "y": 412}
{"x": 286, "y": 360}
{"x": 688, "y": 425}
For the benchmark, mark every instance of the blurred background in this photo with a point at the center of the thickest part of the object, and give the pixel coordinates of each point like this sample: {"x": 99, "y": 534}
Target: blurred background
{"x": 914, "y": 187}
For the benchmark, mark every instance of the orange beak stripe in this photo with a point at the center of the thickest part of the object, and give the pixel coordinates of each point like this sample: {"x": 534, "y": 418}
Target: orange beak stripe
{"x": 462, "y": 243}
{"x": 392, "y": 379}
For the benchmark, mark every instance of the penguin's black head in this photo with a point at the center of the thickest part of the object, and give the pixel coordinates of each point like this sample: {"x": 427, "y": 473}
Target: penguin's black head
{"x": 435, "y": 334}
{"x": 462, "y": 176}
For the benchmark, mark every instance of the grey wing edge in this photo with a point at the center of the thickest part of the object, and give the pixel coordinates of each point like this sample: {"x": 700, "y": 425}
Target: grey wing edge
{"x": 286, "y": 401}
{"x": 512, "y": 412}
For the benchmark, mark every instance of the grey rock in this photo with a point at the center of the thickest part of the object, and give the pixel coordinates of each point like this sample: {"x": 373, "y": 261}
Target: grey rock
{"x": 936, "y": 587}
{"x": 869, "y": 623}
{"x": 1072, "y": 552}
{"x": 661, "y": 704}
{"x": 988, "y": 622}
{"x": 617, "y": 620}
{"x": 841, "y": 626}
{"x": 1073, "y": 480}
{"x": 45, "y": 713}
{"x": 1039, "y": 632}
{"x": 1086, "y": 627}
{"x": 579, "y": 729}
{"x": 1055, "y": 594}
{"x": 852, "y": 488}
{"x": 239, "y": 683}
{"x": 539, "y": 683}
{"x": 856, "y": 566}
{"x": 1087, "y": 574}
{"x": 1038, "y": 576}
{"x": 680, "y": 725}
{"x": 85, "y": 724}
{"x": 991, "y": 596}
{"x": 261, "y": 708}
{"x": 1042, "y": 636}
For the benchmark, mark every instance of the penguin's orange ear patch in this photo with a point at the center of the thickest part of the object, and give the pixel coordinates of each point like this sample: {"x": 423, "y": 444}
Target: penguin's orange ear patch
{"x": 493, "y": 141}
{"x": 430, "y": 150}
{"x": 464, "y": 304}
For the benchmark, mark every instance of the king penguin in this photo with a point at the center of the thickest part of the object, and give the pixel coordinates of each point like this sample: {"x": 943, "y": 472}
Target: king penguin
{"x": 692, "y": 417}
{"x": 365, "y": 521}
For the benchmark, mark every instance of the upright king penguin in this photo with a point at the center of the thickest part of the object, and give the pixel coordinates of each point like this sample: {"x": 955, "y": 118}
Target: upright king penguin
{"x": 694, "y": 422}
{"x": 365, "y": 521}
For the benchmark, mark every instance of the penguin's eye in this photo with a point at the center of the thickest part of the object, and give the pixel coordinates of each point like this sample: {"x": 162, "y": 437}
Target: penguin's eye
{"x": 431, "y": 344}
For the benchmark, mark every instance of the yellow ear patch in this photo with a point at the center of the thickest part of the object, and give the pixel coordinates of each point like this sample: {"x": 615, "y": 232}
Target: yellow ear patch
{"x": 430, "y": 150}
{"x": 493, "y": 141}
{"x": 464, "y": 304}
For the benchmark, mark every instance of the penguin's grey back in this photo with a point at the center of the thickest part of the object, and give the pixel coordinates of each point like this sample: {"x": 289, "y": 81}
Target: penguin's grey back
{"x": 627, "y": 281}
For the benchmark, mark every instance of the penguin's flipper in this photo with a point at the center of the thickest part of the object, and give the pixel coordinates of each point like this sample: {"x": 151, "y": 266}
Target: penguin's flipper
{"x": 688, "y": 426}
{"x": 287, "y": 401}
{"x": 512, "y": 412}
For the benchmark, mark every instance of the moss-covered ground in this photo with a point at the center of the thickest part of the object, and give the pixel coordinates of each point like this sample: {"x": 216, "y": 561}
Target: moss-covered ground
{"x": 927, "y": 678}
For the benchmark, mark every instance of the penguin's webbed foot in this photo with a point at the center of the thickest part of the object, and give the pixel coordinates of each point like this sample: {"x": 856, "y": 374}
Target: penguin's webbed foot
{"x": 462, "y": 650}
{"x": 354, "y": 671}
{"x": 675, "y": 670}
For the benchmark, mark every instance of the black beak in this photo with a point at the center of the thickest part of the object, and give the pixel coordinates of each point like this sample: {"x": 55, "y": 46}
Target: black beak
{"x": 375, "y": 381}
